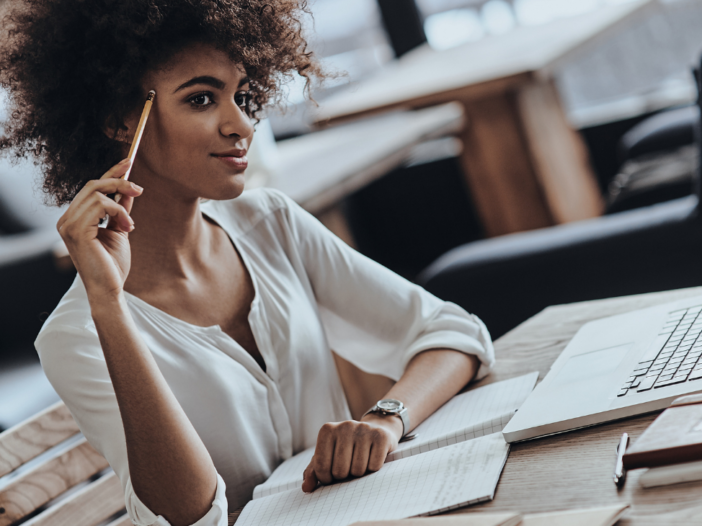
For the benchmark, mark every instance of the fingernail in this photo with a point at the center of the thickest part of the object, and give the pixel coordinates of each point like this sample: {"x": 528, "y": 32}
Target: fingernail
{"x": 137, "y": 187}
{"x": 124, "y": 161}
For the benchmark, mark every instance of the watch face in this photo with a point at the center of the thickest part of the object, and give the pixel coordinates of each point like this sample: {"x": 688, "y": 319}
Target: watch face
{"x": 390, "y": 405}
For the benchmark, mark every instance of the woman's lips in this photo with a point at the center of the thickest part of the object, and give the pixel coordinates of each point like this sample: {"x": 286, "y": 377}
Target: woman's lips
{"x": 234, "y": 162}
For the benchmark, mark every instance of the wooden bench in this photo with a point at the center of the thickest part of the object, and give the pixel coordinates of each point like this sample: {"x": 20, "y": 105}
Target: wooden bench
{"x": 50, "y": 473}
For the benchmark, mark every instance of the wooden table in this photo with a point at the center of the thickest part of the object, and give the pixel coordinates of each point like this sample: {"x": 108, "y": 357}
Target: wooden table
{"x": 575, "y": 469}
{"x": 526, "y": 167}
{"x": 319, "y": 169}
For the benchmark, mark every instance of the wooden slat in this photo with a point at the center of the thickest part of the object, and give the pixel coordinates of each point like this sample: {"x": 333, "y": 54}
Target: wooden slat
{"x": 233, "y": 516}
{"x": 49, "y": 480}
{"x": 90, "y": 506}
{"x": 32, "y": 437}
{"x": 122, "y": 521}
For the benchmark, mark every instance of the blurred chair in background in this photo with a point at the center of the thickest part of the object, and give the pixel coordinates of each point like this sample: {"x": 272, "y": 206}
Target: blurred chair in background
{"x": 409, "y": 217}
{"x": 32, "y": 283}
{"x": 508, "y": 279}
{"x": 659, "y": 160}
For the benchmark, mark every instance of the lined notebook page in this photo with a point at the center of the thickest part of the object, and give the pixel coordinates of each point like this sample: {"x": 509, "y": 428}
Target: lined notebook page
{"x": 479, "y": 412}
{"x": 286, "y": 476}
{"x": 436, "y": 481}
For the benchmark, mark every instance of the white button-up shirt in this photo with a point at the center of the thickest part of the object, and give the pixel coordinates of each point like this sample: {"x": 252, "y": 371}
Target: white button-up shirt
{"x": 313, "y": 293}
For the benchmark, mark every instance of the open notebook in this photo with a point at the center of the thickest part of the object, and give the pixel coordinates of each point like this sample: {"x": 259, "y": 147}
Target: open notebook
{"x": 456, "y": 460}
{"x": 440, "y": 480}
{"x": 479, "y": 412}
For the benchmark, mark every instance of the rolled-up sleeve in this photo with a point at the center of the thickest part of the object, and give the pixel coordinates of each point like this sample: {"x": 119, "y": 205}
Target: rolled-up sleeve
{"x": 73, "y": 362}
{"x": 143, "y": 516}
{"x": 372, "y": 317}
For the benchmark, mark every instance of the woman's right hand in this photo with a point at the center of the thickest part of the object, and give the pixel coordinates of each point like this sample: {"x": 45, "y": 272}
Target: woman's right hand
{"x": 101, "y": 255}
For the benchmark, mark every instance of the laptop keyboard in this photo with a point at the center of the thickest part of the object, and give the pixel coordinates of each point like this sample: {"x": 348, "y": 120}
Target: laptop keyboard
{"x": 674, "y": 356}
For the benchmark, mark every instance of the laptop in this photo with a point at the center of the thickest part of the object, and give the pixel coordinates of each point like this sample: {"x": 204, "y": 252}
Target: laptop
{"x": 616, "y": 367}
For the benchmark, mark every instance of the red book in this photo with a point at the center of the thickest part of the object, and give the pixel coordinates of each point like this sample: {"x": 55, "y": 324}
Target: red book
{"x": 673, "y": 438}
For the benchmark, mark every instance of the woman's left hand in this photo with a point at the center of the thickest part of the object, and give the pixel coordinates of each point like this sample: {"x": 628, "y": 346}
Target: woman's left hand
{"x": 351, "y": 448}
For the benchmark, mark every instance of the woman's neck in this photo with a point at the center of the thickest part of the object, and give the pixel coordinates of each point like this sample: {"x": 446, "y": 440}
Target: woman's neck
{"x": 171, "y": 239}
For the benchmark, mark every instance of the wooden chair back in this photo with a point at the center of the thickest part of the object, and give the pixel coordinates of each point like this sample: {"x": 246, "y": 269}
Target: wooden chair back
{"x": 50, "y": 473}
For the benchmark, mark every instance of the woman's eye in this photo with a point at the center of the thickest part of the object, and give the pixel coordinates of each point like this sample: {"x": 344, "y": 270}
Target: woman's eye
{"x": 242, "y": 99}
{"x": 201, "y": 99}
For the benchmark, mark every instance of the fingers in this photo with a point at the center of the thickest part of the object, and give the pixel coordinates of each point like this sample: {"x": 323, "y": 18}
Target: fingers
{"x": 309, "y": 479}
{"x": 361, "y": 453}
{"x": 349, "y": 435}
{"x": 377, "y": 456}
{"x": 324, "y": 453}
{"x": 95, "y": 209}
{"x": 347, "y": 449}
{"x": 111, "y": 186}
{"x": 90, "y": 193}
{"x": 92, "y": 200}
{"x": 118, "y": 170}
{"x": 126, "y": 201}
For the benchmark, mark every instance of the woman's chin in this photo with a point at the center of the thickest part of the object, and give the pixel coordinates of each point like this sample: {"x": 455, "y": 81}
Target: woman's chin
{"x": 231, "y": 189}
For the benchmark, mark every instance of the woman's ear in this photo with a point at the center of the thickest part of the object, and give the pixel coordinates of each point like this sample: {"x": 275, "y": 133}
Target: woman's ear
{"x": 118, "y": 131}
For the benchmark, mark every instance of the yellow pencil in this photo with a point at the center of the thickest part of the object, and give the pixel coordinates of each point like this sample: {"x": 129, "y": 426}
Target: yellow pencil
{"x": 137, "y": 135}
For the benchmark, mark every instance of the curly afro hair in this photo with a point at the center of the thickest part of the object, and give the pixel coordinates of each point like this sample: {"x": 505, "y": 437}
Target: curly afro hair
{"x": 71, "y": 67}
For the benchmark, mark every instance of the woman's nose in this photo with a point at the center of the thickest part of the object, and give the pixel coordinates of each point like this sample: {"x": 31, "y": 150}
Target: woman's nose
{"x": 235, "y": 121}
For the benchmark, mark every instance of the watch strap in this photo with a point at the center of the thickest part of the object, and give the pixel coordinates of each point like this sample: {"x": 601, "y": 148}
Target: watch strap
{"x": 402, "y": 413}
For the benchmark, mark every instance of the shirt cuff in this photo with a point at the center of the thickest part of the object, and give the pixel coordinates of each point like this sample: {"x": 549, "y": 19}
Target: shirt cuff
{"x": 140, "y": 515}
{"x": 457, "y": 330}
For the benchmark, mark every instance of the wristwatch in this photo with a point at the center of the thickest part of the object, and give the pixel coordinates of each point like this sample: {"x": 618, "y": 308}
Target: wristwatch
{"x": 390, "y": 406}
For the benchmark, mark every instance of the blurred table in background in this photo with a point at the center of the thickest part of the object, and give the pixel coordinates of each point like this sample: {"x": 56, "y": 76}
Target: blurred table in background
{"x": 526, "y": 167}
{"x": 320, "y": 169}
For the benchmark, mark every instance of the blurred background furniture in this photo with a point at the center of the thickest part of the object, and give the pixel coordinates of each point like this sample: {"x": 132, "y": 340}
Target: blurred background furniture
{"x": 659, "y": 160}
{"x": 32, "y": 281}
{"x": 505, "y": 280}
{"x": 321, "y": 169}
{"x": 525, "y": 165}
{"x": 50, "y": 475}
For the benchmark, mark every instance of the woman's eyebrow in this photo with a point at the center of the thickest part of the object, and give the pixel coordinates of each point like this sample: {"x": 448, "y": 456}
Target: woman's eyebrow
{"x": 211, "y": 81}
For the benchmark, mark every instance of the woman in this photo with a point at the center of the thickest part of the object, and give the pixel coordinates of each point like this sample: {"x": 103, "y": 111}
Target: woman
{"x": 195, "y": 351}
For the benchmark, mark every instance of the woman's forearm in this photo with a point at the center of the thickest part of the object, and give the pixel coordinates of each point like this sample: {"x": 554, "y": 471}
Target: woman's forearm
{"x": 355, "y": 448}
{"x": 430, "y": 380}
{"x": 171, "y": 471}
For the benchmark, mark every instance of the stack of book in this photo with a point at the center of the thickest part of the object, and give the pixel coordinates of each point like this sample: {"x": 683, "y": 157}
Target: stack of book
{"x": 671, "y": 447}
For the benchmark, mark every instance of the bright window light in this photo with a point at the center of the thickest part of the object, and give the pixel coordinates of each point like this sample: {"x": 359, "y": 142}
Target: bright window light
{"x": 534, "y": 12}
{"x": 452, "y": 28}
{"x": 498, "y": 18}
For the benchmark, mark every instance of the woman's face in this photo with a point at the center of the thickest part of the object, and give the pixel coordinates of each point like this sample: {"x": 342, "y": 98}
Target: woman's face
{"x": 195, "y": 141}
